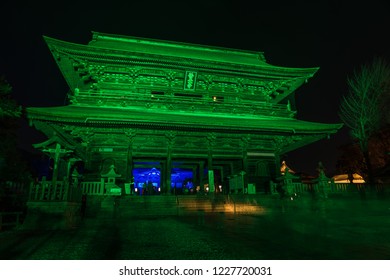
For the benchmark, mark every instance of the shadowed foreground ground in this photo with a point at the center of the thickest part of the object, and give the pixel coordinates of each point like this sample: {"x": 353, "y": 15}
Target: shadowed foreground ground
{"x": 216, "y": 236}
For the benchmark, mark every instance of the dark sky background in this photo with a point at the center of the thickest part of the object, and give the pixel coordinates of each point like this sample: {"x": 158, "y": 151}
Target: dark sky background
{"x": 337, "y": 36}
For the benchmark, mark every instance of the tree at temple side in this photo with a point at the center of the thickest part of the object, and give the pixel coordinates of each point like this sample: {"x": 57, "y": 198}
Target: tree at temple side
{"x": 362, "y": 108}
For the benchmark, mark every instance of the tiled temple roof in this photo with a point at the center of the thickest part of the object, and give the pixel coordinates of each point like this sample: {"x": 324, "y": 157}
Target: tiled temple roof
{"x": 134, "y": 116}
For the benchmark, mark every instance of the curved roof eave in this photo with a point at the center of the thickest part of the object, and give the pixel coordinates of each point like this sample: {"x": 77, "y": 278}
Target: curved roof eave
{"x": 207, "y": 54}
{"x": 122, "y": 116}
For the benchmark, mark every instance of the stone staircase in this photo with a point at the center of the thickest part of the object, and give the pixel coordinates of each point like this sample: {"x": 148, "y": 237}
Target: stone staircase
{"x": 170, "y": 205}
{"x": 192, "y": 204}
{"x": 137, "y": 206}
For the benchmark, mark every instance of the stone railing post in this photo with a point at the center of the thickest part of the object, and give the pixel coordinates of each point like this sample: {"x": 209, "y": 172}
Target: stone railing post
{"x": 102, "y": 186}
{"x": 288, "y": 186}
{"x": 323, "y": 182}
{"x": 43, "y": 188}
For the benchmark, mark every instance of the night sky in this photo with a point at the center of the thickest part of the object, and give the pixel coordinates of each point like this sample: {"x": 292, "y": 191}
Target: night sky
{"x": 336, "y": 36}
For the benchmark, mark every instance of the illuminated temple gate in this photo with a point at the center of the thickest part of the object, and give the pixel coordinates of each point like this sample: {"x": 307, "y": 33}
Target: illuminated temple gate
{"x": 194, "y": 115}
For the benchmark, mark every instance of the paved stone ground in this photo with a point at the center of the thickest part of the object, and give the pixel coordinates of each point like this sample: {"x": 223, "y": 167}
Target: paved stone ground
{"x": 214, "y": 236}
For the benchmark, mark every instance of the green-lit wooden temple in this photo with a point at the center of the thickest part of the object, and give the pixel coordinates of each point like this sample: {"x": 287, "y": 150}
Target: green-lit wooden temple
{"x": 179, "y": 116}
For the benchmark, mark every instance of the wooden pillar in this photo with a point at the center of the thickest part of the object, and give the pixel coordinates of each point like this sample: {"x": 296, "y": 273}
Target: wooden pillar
{"x": 211, "y": 143}
{"x": 277, "y": 165}
{"x": 245, "y": 161}
{"x": 170, "y": 140}
{"x": 168, "y": 171}
{"x": 69, "y": 167}
{"x": 129, "y": 171}
{"x": 57, "y": 153}
{"x": 131, "y": 133}
{"x": 67, "y": 182}
{"x": 71, "y": 162}
{"x": 245, "y": 168}
{"x": 210, "y": 171}
{"x": 194, "y": 176}
{"x": 245, "y": 143}
{"x": 210, "y": 159}
{"x": 129, "y": 178}
{"x": 201, "y": 174}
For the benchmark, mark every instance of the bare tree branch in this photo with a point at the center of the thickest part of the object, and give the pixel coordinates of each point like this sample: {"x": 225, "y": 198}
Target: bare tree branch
{"x": 362, "y": 108}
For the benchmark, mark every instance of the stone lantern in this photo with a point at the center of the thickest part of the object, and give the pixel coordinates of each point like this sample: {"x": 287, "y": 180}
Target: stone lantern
{"x": 288, "y": 186}
{"x": 110, "y": 186}
{"x": 323, "y": 181}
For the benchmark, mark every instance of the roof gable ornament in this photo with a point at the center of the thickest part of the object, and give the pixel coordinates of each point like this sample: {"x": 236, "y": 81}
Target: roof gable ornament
{"x": 111, "y": 173}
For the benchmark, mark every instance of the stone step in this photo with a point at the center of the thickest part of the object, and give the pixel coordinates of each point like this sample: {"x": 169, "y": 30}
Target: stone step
{"x": 201, "y": 203}
{"x": 136, "y": 206}
{"x": 139, "y": 206}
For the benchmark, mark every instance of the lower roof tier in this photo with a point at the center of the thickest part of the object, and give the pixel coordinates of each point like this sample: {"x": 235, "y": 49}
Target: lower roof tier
{"x": 284, "y": 134}
{"x": 136, "y": 117}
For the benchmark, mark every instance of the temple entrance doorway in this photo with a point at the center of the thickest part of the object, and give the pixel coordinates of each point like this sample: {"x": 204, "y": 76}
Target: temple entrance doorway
{"x": 147, "y": 181}
{"x": 182, "y": 181}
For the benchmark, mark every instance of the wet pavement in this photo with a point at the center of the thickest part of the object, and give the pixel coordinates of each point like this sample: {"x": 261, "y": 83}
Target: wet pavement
{"x": 279, "y": 235}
